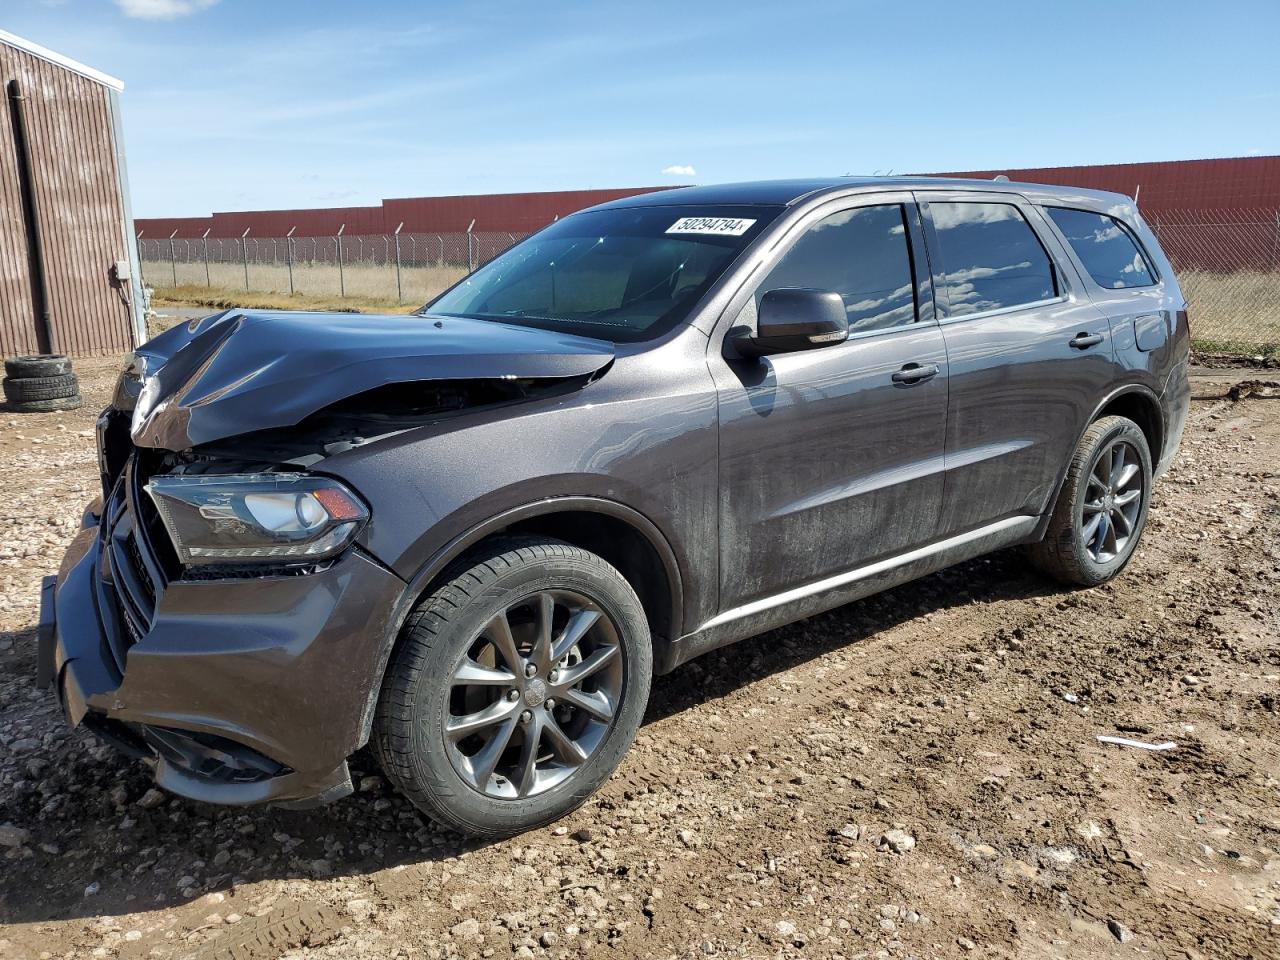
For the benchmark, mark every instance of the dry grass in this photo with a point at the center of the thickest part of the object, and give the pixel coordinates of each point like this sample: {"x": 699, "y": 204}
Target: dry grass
{"x": 1232, "y": 312}
{"x": 221, "y": 299}
{"x": 373, "y": 283}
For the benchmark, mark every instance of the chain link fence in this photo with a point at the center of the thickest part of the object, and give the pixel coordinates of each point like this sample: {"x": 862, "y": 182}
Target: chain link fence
{"x": 1228, "y": 264}
{"x": 404, "y": 267}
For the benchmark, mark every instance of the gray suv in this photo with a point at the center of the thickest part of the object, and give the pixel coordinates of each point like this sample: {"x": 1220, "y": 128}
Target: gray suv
{"x": 470, "y": 536}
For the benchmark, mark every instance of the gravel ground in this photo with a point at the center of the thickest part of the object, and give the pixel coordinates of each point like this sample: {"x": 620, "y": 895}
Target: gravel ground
{"x": 915, "y": 775}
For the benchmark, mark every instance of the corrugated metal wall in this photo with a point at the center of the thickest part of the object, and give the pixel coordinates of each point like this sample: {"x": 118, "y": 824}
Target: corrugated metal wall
{"x": 1229, "y": 183}
{"x": 83, "y": 217}
{"x": 515, "y": 212}
{"x": 495, "y": 212}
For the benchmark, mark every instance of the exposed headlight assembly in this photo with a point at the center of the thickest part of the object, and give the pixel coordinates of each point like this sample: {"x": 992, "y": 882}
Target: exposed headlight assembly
{"x": 255, "y": 517}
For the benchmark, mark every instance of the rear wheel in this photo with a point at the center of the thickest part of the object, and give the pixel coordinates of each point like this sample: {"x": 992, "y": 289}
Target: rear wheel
{"x": 516, "y": 688}
{"x": 1102, "y": 507}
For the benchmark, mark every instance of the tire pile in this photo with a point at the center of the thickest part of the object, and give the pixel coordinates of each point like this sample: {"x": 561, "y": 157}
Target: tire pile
{"x": 41, "y": 384}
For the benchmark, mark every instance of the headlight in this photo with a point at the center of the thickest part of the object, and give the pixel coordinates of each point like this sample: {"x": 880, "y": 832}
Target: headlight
{"x": 247, "y": 517}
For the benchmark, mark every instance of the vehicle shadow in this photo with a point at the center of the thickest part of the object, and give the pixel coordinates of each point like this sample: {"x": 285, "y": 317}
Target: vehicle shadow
{"x": 80, "y": 799}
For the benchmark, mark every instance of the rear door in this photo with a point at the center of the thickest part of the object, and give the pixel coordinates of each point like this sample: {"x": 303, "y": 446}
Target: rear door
{"x": 1141, "y": 302}
{"x": 1029, "y": 354}
{"x": 831, "y": 458}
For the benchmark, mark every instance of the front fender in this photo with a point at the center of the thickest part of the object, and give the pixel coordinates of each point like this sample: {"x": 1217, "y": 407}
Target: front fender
{"x": 639, "y": 445}
{"x": 428, "y": 488}
{"x": 439, "y": 562}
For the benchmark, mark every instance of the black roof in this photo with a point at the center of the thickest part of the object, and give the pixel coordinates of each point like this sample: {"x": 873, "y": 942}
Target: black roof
{"x": 773, "y": 192}
{"x": 787, "y": 192}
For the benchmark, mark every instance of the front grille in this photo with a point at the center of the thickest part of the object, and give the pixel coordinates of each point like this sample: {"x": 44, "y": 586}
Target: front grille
{"x": 132, "y": 579}
{"x": 144, "y": 576}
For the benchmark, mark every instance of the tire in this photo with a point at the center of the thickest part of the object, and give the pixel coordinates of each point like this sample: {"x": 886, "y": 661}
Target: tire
{"x": 73, "y": 402}
{"x": 41, "y": 388}
{"x": 1069, "y": 553}
{"x": 42, "y": 365}
{"x": 448, "y": 634}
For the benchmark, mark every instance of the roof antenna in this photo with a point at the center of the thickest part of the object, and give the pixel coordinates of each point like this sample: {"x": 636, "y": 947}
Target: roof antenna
{"x": 1000, "y": 178}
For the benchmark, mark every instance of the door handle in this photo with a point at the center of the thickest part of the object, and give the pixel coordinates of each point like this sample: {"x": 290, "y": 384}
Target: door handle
{"x": 1083, "y": 341}
{"x": 915, "y": 373}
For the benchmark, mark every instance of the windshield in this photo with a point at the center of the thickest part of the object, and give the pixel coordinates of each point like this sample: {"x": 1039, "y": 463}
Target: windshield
{"x": 621, "y": 275}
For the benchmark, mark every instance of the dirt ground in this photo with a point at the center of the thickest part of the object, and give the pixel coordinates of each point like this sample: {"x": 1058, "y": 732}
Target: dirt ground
{"x": 750, "y": 819}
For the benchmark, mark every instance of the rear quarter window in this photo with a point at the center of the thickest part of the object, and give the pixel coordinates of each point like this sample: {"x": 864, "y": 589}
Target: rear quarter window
{"x": 1105, "y": 247}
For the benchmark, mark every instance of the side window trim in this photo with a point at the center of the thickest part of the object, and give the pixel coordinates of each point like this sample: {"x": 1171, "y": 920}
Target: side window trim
{"x": 1157, "y": 277}
{"x": 921, "y": 275}
{"x": 771, "y": 254}
{"x": 1030, "y": 217}
{"x": 936, "y": 274}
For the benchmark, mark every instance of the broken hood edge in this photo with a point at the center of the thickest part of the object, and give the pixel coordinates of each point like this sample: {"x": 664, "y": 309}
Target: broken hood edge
{"x": 241, "y": 371}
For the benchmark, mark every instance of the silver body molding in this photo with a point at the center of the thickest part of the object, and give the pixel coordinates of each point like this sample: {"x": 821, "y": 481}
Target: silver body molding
{"x": 798, "y": 603}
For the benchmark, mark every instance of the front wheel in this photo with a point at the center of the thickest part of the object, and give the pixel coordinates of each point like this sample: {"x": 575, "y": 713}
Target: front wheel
{"x": 1102, "y": 507}
{"x": 516, "y": 688}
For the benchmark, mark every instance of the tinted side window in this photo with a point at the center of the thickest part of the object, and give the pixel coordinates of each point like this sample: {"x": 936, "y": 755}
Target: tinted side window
{"x": 990, "y": 257}
{"x": 1105, "y": 248}
{"x": 862, "y": 254}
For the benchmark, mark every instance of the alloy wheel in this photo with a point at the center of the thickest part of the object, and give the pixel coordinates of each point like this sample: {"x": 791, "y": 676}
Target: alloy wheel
{"x": 1112, "y": 502}
{"x": 534, "y": 694}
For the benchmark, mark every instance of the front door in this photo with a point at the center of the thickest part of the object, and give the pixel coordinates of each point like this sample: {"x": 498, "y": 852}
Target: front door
{"x": 831, "y": 458}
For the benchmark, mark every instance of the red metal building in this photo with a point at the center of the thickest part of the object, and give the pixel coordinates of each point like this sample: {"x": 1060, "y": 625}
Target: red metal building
{"x": 1231, "y": 183}
{"x": 497, "y": 212}
{"x": 1228, "y": 183}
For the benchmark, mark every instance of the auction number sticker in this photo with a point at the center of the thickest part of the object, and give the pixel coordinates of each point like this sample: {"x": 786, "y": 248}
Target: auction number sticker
{"x": 721, "y": 226}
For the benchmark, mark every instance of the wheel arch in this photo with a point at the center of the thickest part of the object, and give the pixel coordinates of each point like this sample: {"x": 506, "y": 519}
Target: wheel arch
{"x": 1141, "y": 406}
{"x": 1134, "y": 401}
{"x": 627, "y": 539}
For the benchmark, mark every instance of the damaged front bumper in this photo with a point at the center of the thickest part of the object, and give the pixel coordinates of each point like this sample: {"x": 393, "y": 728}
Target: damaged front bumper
{"x": 237, "y": 691}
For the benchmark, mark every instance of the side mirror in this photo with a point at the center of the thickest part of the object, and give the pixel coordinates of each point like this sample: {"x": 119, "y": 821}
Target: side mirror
{"x": 796, "y": 318}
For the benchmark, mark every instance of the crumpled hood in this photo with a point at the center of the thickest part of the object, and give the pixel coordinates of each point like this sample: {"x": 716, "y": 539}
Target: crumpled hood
{"x": 246, "y": 370}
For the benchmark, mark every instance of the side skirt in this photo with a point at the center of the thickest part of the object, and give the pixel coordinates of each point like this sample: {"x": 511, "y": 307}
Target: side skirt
{"x": 798, "y": 603}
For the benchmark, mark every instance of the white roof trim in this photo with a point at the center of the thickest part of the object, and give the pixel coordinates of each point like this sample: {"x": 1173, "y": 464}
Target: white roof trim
{"x": 56, "y": 58}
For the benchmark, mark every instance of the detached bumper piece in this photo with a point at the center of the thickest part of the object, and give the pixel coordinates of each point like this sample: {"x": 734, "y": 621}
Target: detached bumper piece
{"x": 45, "y": 634}
{"x": 213, "y": 769}
{"x": 203, "y": 755}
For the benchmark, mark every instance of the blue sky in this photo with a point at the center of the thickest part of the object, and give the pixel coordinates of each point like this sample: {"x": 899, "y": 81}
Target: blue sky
{"x": 242, "y": 104}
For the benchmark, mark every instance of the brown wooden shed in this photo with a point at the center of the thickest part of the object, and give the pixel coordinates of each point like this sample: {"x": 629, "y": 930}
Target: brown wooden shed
{"x": 64, "y": 206}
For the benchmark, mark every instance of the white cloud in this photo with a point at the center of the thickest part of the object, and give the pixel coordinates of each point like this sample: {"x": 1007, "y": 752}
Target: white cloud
{"x": 680, "y": 170}
{"x": 984, "y": 273}
{"x": 162, "y": 9}
{"x": 948, "y": 215}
